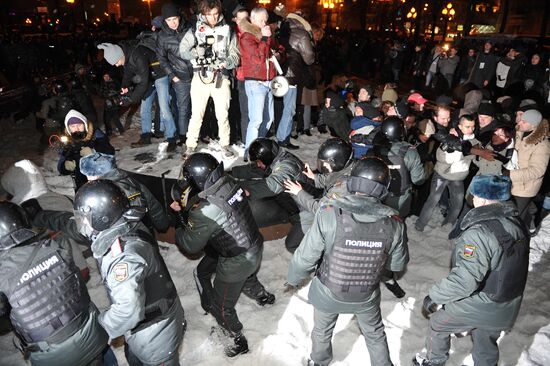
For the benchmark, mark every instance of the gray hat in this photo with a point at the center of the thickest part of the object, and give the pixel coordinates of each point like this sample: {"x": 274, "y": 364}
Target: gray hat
{"x": 532, "y": 116}
{"x": 112, "y": 52}
{"x": 97, "y": 164}
{"x": 527, "y": 104}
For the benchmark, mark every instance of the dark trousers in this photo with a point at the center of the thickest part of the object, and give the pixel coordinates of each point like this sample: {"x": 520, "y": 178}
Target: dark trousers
{"x": 183, "y": 97}
{"x": 134, "y": 361}
{"x": 443, "y": 324}
{"x": 243, "y": 104}
{"x": 111, "y": 116}
{"x": 525, "y": 211}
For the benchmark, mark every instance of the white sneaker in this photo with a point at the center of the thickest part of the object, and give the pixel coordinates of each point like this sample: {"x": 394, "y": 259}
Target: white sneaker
{"x": 227, "y": 152}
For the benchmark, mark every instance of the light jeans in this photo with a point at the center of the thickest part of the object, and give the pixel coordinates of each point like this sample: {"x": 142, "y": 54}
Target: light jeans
{"x": 162, "y": 89}
{"x": 200, "y": 93}
{"x": 289, "y": 110}
{"x": 258, "y": 94}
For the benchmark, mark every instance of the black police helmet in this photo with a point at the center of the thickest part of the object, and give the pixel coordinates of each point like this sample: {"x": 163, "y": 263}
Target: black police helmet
{"x": 370, "y": 176}
{"x": 336, "y": 152}
{"x": 394, "y": 128}
{"x": 101, "y": 202}
{"x": 14, "y": 225}
{"x": 202, "y": 170}
{"x": 264, "y": 150}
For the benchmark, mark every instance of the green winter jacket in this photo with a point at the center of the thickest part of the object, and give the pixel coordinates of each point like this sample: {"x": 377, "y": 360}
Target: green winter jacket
{"x": 285, "y": 166}
{"x": 476, "y": 252}
{"x": 333, "y": 185}
{"x": 320, "y": 238}
{"x": 207, "y": 220}
{"x": 124, "y": 269}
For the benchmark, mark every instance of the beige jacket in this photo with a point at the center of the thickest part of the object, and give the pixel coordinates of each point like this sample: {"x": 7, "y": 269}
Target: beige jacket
{"x": 533, "y": 154}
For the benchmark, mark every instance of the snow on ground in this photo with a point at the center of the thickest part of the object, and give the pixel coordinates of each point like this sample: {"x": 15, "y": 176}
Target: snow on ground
{"x": 279, "y": 334}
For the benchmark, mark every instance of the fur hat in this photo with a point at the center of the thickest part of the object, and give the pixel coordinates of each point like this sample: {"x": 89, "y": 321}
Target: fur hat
{"x": 491, "y": 187}
{"x": 111, "y": 52}
{"x": 97, "y": 164}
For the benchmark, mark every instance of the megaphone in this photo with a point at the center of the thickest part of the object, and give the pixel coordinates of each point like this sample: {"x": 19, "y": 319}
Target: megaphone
{"x": 279, "y": 86}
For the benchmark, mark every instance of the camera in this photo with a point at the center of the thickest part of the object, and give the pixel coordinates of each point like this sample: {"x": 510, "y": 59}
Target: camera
{"x": 205, "y": 51}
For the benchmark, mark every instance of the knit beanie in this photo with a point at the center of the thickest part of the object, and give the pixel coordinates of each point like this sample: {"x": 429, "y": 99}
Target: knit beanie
{"x": 111, "y": 52}
{"x": 169, "y": 10}
{"x": 532, "y": 116}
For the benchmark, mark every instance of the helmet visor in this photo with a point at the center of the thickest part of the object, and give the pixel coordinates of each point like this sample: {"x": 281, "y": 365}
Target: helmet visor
{"x": 84, "y": 223}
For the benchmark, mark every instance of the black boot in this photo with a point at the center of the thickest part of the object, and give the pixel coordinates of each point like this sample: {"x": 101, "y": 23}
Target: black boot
{"x": 287, "y": 145}
{"x": 171, "y": 145}
{"x": 239, "y": 347}
{"x": 144, "y": 139}
{"x": 322, "y": 129}
{"x": 265, "y": 298}
{"x": 182, "y": 139}
{"x": 307, "y": 132}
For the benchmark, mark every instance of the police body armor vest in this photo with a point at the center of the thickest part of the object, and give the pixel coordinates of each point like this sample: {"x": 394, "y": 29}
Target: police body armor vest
{"x": 49, "y": 296}
{"x": 241, "y": 231}
{"x": 159, "y": 287}
{"x": 508, "y": 280}
{"x": 353, "y": 267}
{"x": 400, "y": 175}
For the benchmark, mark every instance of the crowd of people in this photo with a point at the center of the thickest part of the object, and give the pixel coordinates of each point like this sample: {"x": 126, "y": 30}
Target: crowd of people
{"x": 479, "y": 155}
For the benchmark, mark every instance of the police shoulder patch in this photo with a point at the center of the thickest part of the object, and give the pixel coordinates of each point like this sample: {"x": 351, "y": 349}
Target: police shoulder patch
{"x": 120, "y": 271}
{"x": 469, "y": 250}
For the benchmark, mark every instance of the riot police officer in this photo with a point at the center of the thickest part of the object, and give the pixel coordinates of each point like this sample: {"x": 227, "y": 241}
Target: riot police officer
{"x": 145, "y": 306}
{"x": 482, "y": 294}
{"x": 55, "y": 324}
{"x": 349, "y": 230}
{"x": 103, "y": 166}
{"x": 219, "y": 221}
{"x": 278, "y": 165}
{"x": 404, "y": 162}
{"x": 334, "y": 163}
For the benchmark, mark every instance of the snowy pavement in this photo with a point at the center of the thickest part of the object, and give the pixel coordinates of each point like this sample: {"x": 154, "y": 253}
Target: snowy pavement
{"x": 279, "y": 334}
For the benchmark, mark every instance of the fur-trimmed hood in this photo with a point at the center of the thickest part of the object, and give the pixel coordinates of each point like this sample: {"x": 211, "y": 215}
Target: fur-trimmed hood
{"x": 538, "y": 135}
{"x": 88, "y": 126}
{"x": 245, "y": 26}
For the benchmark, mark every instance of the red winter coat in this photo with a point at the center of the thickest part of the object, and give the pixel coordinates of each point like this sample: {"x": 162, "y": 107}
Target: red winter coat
{"x": 255, "y": 51}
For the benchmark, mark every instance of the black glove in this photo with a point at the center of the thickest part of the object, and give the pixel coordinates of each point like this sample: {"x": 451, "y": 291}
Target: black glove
{"x": 32, "y": 208}
{"x": 428, "y": 307}
{"x": 183, "y": 218}
{"x": 357, "y": 138}
{"x": 394, "y": 288}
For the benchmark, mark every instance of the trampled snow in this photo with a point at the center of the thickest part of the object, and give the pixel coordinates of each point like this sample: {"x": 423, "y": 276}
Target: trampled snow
{"x": 280, "y": 334}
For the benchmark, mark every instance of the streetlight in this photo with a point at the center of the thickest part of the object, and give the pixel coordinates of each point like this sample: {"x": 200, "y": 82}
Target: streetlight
{"x": 330, "y": 6}
{"x": 448, "y": 12}
{"x": 149, "y": 7}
